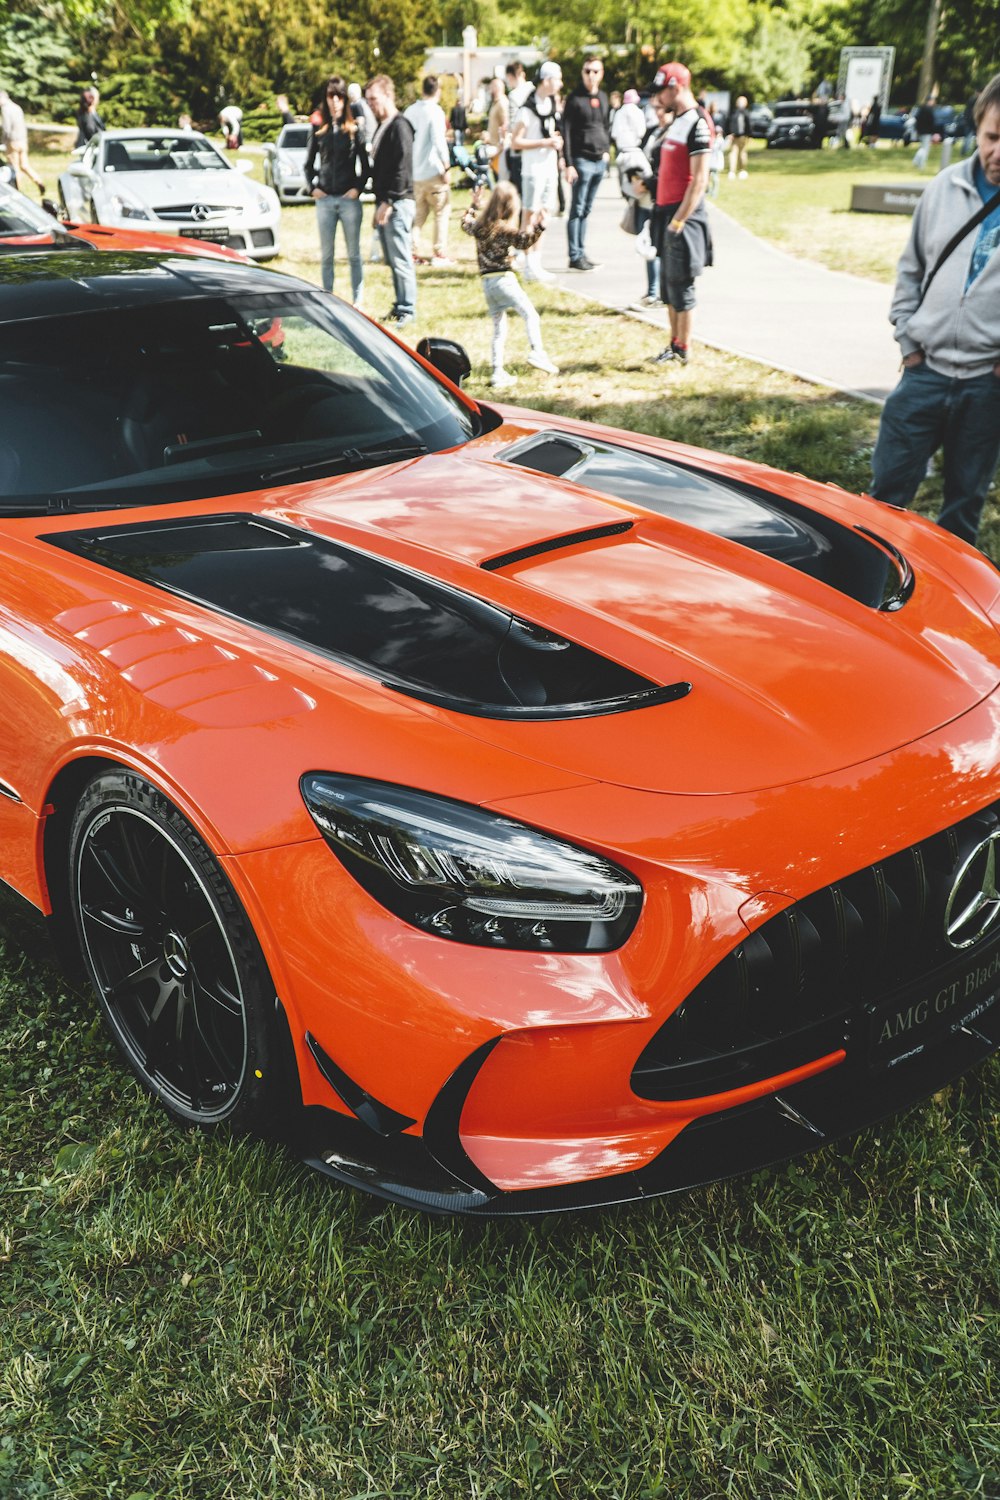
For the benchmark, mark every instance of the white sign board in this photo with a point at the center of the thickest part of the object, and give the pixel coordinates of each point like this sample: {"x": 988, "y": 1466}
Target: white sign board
{"x": 864, "y": 73}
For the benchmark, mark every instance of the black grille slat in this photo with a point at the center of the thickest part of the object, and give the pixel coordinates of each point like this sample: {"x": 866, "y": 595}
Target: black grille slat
{"x": 806, "y": 982}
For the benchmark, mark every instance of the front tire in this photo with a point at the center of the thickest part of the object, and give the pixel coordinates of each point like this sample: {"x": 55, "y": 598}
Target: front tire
{"x": 177, "y": 969}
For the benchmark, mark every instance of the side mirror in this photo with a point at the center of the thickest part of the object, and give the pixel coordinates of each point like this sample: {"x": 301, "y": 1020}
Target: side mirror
{"x": 447, "y": 356}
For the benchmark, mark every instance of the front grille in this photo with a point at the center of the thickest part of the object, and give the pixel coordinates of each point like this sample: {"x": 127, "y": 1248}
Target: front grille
{"x": 175, "y": 212}
{"x": 825, "y": 973}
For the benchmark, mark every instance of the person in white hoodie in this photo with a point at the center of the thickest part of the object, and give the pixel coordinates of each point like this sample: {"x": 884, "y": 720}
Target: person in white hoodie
{"x": 946, "y": 313}
{"x": 431, "y": 160}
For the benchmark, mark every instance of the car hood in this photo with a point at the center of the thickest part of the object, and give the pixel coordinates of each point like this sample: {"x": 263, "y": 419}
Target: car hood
{"x": 169, "y": 189}
{"x": 790, "y": 678}
{"x": 779, "y": 676}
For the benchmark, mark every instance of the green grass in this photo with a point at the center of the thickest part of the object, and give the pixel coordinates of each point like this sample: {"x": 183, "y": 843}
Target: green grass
{"x": 187, "y": 1318}
{"x": 800, "y": 201}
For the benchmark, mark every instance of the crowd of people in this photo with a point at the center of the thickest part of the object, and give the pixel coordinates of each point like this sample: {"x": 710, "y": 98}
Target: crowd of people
{"x": 542, "y": 143}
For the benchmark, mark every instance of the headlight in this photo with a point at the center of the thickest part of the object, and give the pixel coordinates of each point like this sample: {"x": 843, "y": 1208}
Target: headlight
{"x": 127, "y": 208}
{"x": 469, "y": 875}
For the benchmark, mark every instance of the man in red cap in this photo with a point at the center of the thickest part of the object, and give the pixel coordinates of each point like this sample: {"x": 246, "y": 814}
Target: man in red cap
{"x": 686, "y": 243}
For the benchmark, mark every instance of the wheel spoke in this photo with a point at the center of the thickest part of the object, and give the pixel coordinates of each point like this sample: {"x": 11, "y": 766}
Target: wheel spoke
{"x": 162, "y": 1033}
{"x": 127, "y": 988}
{"x": 112, "y": 872}
{"x": 124, "y": 925}
{"x": 204, "y": 1024}
{"x": 219, "y": 995}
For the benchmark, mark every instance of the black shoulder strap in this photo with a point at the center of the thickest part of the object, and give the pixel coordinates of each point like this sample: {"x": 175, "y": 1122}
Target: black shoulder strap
{"x": 983, "y": 212}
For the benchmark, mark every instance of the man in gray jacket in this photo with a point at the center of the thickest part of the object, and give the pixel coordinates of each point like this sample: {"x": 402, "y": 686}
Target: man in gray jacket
{"x": 949, "y": 334}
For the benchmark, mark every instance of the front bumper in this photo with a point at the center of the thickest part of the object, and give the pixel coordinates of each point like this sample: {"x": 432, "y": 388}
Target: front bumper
{"x": 254, "y": 235}
{"x": 293, "y": 190}
{"x": 433, "y": 1172}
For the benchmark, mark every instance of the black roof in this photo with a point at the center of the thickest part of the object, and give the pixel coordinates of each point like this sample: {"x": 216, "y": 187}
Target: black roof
{"x": 44, "y": 284}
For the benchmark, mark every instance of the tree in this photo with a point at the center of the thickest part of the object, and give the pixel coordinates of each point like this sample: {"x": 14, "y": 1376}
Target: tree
{"x": 37, "y": 63}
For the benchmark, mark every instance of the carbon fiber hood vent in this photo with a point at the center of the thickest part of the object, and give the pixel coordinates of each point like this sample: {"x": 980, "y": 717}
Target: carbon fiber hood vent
{"x": 856, "y": 562}
{"x": 417, "y": 635}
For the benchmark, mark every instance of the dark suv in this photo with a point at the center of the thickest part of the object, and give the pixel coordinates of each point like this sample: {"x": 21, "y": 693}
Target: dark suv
{"x": 796, "y": 122}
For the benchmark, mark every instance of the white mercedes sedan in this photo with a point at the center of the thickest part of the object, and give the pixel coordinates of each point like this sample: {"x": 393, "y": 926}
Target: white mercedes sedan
{"x": 173, "y": 182}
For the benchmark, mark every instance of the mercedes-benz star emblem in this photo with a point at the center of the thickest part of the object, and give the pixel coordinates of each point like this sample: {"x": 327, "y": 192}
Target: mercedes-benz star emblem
{"x": 974, "y": 904}
{"x": 200, "y": 212}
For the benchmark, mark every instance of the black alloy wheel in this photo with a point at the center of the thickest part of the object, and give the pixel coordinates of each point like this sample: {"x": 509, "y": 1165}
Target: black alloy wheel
{"x": 177, "y": 969}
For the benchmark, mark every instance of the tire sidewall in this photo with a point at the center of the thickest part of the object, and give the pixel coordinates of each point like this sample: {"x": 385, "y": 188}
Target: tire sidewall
{"x": 256, "y": 1098}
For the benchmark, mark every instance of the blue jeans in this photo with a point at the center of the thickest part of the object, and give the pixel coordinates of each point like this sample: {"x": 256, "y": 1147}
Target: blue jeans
{"x": 928, "y": 411}
{"x": 397, "y": 247}
{"x": 331, "y": 211}
{"x": 590, "y": 175}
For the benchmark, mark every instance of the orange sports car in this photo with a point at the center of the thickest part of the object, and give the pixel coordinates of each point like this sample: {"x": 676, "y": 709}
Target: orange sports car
{"x": 513, "y": 813}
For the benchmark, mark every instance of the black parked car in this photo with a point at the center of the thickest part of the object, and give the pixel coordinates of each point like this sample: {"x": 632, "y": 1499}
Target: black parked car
{"x": 797, "y": 122}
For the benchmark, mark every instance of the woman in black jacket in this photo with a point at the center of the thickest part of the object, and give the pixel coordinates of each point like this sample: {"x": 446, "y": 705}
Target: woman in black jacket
{"x": 337, "y": 170}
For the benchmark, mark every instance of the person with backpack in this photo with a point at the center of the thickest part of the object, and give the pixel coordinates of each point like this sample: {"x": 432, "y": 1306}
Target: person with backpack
{"x": 682, "y": 177}
{"x": 946, "y": 313}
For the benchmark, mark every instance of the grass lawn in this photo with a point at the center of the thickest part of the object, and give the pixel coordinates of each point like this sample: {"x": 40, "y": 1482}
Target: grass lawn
{"x": 800, "y": 201}
{"x": 185, "y": 1318}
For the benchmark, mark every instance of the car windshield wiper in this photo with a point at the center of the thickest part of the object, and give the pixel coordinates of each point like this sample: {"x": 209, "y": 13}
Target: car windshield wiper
{"x": 94, "y": 497}
{"x": 358, "y": 458}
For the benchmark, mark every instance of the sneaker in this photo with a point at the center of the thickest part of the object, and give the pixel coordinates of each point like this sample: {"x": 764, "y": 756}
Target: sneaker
{"x": 501, "y": 380}
{"x": 732, "y": 174}
{"x": 399, "y": 320}
{"x": 541, "y": 361}
{"x": 650, "y": 300}
{"x": 543, "y": 277}
{"x": 672, "y": 354}
{"x": 577, "y": 265}
{"x": 441, "y": 260}
{"x": 743, "y": 174}
{"x": 586, "y": 264}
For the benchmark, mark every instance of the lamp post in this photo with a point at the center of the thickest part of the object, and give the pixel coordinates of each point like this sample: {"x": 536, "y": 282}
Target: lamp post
{"x": 470, "y": 44}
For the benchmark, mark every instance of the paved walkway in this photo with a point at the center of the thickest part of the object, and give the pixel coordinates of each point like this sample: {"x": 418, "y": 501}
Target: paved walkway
{"x": 826, "y": 326}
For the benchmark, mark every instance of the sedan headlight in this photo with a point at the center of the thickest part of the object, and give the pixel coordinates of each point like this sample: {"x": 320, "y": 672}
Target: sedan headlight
{"x": 128, "y": 208}
{"x": 469, "y": 875}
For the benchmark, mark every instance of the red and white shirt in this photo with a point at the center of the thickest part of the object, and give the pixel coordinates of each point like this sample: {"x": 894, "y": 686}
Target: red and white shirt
{"x": 689, "y": 135}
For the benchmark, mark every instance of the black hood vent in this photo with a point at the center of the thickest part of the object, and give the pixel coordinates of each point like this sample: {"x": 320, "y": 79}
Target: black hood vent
{"x": 852, "y": 560}
{"x": 417, "y": 635}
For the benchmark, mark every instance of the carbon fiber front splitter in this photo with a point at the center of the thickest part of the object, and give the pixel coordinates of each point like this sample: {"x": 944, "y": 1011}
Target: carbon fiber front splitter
{"x": 433, "y": 1173}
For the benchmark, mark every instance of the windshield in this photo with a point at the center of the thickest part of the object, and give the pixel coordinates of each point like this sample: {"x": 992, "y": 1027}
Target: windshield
{"x": 163, "y": 153}
{"x": 21, "y": 224}
{"x": 294, "y": 138}
{"x": 205, "y": 397}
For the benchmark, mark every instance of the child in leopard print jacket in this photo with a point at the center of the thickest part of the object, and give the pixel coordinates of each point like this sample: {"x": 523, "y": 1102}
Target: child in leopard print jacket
{"x": 497, "y": 236}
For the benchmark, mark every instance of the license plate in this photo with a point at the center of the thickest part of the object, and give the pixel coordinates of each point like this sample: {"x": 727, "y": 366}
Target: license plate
{"x": 205, "y": 234}
{"x": 905, "y": 1026}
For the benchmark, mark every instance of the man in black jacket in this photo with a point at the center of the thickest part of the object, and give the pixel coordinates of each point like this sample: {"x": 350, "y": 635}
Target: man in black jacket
{"x": 586, "y": 133}
{"x": 392, "y": 185}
